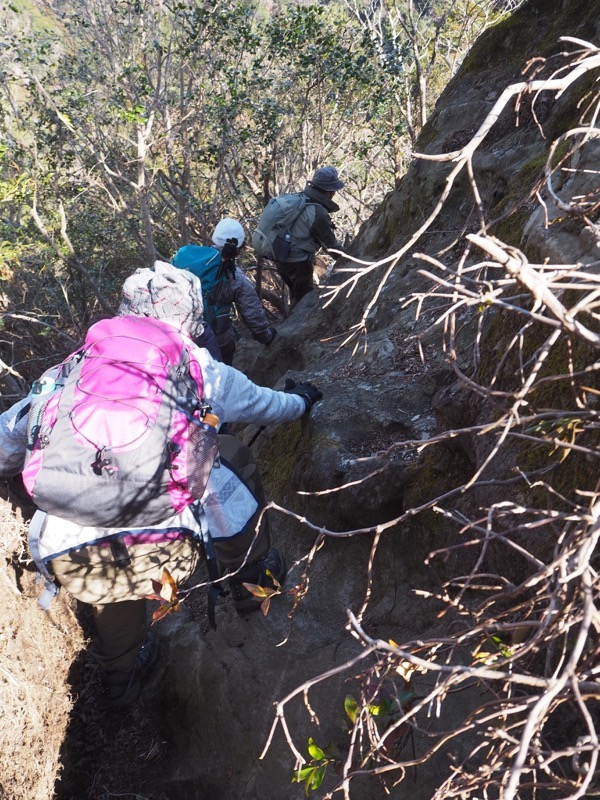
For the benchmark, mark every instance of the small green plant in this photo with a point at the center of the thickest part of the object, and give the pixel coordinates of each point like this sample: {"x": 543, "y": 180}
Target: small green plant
{"x": 386, "y": 710}
{"x": 493, "y": 649}
{"x": 312, "y": 774}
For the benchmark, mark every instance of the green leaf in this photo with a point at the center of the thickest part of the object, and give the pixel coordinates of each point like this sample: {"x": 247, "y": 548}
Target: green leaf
{"x": 308, "y": 782}
{"x": 302, "y": 774}
{"x": 351, "y": 708}
{"x": 332, "y": 750}
{"x": 258, "y": 591}
{"x": 315, "y": 751}
{"x": 318, "y": 777}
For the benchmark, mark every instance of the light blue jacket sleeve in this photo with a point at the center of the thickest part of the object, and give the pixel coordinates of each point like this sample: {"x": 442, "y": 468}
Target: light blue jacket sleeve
{"x": 235, "y": 398}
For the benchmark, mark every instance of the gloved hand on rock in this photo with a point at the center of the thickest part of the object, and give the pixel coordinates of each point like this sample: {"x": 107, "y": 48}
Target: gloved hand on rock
{"x": 309, "y": 393}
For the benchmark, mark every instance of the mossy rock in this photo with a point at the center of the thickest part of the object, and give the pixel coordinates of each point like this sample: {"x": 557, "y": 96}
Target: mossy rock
{"x": 277, "y": 459}
{"x": 510, "y": 230}
{"x": 565, "y": 389}
{"x": 534, "y": 29}
{"x": 439, "y": 470}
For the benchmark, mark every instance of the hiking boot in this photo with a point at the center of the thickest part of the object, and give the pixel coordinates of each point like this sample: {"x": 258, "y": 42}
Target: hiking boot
{"x": 124, "y": 688}
{"x": 243, "y": 600}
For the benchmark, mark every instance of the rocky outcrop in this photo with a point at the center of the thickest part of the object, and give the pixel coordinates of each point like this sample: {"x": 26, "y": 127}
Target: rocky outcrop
{"x": 384, "y": 393}
{"x": 336, "y": 468}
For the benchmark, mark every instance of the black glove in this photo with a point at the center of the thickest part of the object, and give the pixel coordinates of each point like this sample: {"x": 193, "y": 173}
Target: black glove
{"x": 309, "y": 393}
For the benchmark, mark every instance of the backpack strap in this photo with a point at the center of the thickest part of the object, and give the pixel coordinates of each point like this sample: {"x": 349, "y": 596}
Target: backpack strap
{"x": 23, "y": 412}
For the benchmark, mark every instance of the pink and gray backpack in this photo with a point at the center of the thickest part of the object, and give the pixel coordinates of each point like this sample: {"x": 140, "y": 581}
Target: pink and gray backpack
{"x": 120, "y": 441}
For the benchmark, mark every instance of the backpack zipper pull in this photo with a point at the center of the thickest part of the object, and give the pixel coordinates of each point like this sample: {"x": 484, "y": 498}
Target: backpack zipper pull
{"x": 101, "y": 463}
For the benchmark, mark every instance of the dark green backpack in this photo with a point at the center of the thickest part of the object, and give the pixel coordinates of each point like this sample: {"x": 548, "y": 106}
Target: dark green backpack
{"x": 272, "y": 238}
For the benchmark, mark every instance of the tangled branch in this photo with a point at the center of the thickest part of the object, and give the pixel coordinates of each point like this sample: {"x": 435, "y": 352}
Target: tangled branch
{"x": 522, "y": 644}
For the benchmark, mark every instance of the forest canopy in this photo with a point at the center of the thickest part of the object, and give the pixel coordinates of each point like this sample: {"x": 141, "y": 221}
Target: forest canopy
{"x": 129, "y": 128}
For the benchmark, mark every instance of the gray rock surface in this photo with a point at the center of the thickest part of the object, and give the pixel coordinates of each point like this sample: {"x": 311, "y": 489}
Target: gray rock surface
{"x": 223, "y": 684}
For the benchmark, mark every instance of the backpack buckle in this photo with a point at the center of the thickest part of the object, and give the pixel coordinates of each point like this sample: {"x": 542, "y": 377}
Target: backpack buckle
{"x": 103, "y": 463}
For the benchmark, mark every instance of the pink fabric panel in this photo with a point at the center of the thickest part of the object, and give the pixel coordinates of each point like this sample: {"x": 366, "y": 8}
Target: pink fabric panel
{"x": 127, "y": 389}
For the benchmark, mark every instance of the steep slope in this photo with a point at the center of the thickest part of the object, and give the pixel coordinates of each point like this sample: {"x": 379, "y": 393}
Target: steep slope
{"x": 207, "y": 715}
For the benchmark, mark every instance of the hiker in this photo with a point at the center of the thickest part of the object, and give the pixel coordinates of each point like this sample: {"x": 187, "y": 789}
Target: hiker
{"x": 225, "y": 285}
{"x": 308, "y": 231}
{"x": 111, "y": 567}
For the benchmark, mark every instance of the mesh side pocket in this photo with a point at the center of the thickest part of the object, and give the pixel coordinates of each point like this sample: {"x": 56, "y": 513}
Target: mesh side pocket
{"x": 202, "y": 452}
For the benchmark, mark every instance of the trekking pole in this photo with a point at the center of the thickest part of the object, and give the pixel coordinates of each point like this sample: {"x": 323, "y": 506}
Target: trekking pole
{"x": 256, "y": 435}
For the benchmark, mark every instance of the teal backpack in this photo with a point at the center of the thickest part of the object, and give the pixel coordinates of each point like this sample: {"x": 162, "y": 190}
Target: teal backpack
{"x": 205, "y": 263}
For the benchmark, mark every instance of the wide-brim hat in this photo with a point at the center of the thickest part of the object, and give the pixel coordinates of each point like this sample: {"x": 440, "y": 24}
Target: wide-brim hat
{"x": 327, "y": 179}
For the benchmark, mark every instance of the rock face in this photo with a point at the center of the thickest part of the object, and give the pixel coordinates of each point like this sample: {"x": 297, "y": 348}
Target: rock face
{"x": 221, "y": 686}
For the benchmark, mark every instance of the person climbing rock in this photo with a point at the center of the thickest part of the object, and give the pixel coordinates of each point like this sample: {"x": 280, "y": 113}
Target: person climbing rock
{"x": 103, "y": 532}
{"x": 305, "y": 221}
{"x": 225, "y": 286}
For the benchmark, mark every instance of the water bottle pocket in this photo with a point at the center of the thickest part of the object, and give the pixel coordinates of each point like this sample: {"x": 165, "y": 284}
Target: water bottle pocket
{"x": 281, "y": 247}
{"x": 202, "y": 453}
